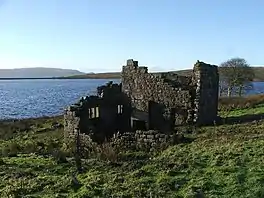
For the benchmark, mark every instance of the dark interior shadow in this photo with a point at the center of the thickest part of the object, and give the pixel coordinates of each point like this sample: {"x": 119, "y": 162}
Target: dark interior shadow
{"x": 160, "y": 117}
{"x": 106, "y": 113}
{"x": 241, "y": 119}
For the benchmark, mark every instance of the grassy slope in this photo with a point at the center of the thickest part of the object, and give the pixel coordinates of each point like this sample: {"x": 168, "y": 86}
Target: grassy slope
{"x": 259, "y": 74}
{"x": 223, "y": 161}
{"x": 241, "y": 112}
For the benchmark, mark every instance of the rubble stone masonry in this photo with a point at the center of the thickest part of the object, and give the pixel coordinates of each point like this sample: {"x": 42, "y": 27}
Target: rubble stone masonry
{"x": 168, "y": 100}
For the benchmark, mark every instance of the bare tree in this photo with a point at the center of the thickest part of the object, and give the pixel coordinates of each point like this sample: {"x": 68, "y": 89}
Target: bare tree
{"x": 237, "y": 75}
{"x": 222, "y": 86}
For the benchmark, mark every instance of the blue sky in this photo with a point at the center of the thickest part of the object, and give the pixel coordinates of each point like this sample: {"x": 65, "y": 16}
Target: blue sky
{"x": 99, "y": 35}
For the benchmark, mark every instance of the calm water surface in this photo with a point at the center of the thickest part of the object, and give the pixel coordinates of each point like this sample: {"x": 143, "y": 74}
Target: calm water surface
{"x": 36, "y": 98}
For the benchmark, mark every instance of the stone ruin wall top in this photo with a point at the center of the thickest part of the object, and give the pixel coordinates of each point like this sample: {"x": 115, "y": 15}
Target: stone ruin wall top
{"x": 142, "y": 86}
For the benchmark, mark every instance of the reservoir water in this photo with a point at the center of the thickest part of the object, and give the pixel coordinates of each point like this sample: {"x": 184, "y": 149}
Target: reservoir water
{"x": 37, "y": 98}
{"x": 45, "y": 97}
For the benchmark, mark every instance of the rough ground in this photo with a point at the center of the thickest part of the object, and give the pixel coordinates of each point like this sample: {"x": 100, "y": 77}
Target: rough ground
{"x": 222, "y": 161}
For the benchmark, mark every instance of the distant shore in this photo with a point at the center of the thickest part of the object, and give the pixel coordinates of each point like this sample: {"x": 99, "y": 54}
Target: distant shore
{"x": 59, "y": 78}
{"x": 26, "y": 78}
{"x": 79, "y": 78}
{"x": 110, "y": 75}
{"x": 259, "y": 75}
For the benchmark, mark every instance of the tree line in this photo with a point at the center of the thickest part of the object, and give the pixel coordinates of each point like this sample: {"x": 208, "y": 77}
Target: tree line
{"x": 236, "y": 77}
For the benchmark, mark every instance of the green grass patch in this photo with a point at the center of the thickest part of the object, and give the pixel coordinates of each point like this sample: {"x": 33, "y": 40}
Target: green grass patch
{"x": 259, "y": 109}
{"x": 223, "y": 161}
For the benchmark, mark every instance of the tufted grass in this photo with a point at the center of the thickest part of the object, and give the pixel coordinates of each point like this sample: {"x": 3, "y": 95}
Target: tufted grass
{"x": 31, "y": 135}
{"x": 224, "y": 161}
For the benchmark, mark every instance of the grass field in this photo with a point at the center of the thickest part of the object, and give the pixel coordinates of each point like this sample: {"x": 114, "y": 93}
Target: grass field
{"x": 222, "y": 161}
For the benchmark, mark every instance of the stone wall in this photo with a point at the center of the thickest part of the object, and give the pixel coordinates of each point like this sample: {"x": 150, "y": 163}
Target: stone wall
{"x": 162, "y": 100}
{"x": 144, "y": 140}
{"x": 172, "y": 100}
{"x": 206, "y": 79}
{"x": 99, "y": 116}
{"x": 71, "y": 121}
{"x": 140, "y": 140}
{"x": 167, "y": 104}
{"x": 174, "y": 80}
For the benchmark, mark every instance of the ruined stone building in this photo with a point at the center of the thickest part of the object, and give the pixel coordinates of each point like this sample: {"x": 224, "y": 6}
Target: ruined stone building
{"x": 147, "y": 101}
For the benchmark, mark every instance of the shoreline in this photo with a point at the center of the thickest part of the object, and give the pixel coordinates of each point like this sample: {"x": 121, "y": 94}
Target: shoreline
{"x": 257, "y": 98}
{"x": 81, "y": 78}
{"x": 32, "y": 118}
{"x": 59, "y": 78}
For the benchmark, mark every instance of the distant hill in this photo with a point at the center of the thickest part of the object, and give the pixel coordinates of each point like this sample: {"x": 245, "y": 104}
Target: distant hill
{"x": 108, "y": 75}
{"x": 37, "y": 72}
{"x": 40, "y": 72}
{"x": 259, "y": 74}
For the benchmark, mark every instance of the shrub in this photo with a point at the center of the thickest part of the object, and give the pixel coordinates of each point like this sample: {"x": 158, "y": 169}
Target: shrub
{"x": 10, "y": 150}
{"x": 29, "y": 147}
{"x": 59, "y": 156}
{"x": 2, "y": 162}
{"x": 106, "y": 151}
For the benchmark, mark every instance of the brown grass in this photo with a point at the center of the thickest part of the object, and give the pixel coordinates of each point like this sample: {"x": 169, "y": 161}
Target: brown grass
{"x": 240, "y": 102}
{"x": 107, "y": 152}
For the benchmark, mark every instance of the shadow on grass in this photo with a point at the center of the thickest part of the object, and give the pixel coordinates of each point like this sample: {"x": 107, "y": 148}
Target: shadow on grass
{"x": 241, "y": 119}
